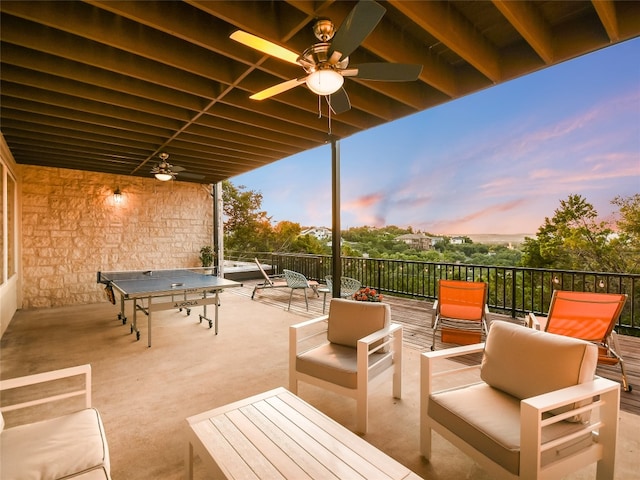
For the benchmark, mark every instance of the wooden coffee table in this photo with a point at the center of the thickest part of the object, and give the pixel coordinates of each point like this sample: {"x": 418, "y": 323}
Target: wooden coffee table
{"x": 277, "y": 435}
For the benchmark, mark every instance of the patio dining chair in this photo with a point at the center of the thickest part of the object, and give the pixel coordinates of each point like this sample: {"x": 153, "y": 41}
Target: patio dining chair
{"x": 460, "y": 312}
{"x": 297, "y": 281}
{"x": 588, "y": 316}
{"x": 348, "y": 286}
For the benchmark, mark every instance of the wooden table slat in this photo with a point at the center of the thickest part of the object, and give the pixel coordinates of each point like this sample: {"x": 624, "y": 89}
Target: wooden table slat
{"x": 245, "y": 449}
{"x": 277, "y": 435}
{"x": 307, "y": 435}
{"x": 277, "y": 445}
{"x": 370, "y": 461}
{"x": 217, "y": 446}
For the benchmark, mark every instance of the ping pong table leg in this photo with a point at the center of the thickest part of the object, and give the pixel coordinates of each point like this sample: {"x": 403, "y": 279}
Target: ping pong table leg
{"x": 122, "y": 315}
{"x": 149, "y": 323}
{"x": 203, "y": 315}
{"x": 217, "y": 303}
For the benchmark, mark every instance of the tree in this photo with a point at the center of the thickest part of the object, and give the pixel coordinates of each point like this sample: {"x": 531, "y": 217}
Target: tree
{"x": 627, "y": 239}
{"x": 574, "y": 238}
{"x": 246, "y": 227}
{"x": 285, "y": 234}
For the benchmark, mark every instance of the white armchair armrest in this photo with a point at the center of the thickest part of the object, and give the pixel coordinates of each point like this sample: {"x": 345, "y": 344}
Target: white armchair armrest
{"x": 532, "y": 423}
{"x": 37, "y": 378}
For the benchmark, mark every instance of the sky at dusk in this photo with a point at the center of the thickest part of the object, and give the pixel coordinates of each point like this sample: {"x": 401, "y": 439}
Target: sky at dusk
{"x": 497, "y": 161}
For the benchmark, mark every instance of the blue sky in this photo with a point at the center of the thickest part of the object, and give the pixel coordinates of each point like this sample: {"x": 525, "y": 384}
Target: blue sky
{"x": 498, "y": 161}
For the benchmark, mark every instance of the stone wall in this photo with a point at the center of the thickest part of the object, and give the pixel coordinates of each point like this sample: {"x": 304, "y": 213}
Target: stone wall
{"x": 72, "y": 228}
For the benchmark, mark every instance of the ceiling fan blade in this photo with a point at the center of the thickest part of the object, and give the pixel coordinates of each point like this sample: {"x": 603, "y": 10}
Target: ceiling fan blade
{"x": 177, "y": 169}
{"x": 339, "y": 102}
{"x": 279, "y": 88}
{"x": 356, "y": 27}
{"x": 265, "y": 46}
{"x": 386, "y": 72}
{"x": 195, "y": 176}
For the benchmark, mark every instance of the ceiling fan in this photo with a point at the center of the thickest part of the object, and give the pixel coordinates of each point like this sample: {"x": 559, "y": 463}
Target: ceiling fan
{"x": 164, "y": 171}
{"x": 327, "y": 63}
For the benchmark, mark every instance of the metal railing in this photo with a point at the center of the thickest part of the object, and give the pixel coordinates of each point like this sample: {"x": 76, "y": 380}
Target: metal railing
{"x": 514, "y": 291}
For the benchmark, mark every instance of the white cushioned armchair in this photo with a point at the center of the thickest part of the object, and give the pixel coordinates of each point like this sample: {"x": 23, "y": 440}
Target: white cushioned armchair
{"x": 346, "y": 349}
{"x": 529, "y": 414}
{"x": 68, "y": 444}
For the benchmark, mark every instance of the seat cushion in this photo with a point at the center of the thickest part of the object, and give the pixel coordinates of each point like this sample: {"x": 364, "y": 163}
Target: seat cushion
{"x": 70, "y": 446}
{"x": 489, "y": 420}
{"x": 350, "y": 321}
{"x": 525, "y": 363}
{"x": 338, "y": 364}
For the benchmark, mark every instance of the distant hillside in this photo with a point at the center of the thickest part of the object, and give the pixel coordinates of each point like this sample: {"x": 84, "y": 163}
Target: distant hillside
{"x": 499, "y": 238}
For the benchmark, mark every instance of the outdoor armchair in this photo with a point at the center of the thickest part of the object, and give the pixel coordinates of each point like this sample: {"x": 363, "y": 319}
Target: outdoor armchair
{"x": 526, "y": 410}
{"x": 52, "y": 431}
{"x": 589, "y": 316}
{"x": 460, "y": 312}
{"x": 345, "y": 350}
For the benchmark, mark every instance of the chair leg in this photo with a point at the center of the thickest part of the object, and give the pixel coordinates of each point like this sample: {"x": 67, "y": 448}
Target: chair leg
{"x": 613, "y": 342}
{"x": 433, "y": 335}
{"x": 397, "y": 364}
{"x": 290, "y": 295}
{"x": 306, "y": 299}
{"x": 625, "y": 383}
{"x": 254, "y": 292}
{"x": 425, "y": 439}
{"x": 362, "y": 413}
{"x": 324, "y": 302}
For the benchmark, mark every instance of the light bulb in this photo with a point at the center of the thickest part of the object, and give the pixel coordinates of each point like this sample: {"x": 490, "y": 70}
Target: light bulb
{"x": 324, "y": 82}
{"x": 164, "y": 177}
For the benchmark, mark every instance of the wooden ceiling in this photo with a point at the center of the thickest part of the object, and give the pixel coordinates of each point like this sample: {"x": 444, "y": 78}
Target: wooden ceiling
{"x": 106, "y": 86}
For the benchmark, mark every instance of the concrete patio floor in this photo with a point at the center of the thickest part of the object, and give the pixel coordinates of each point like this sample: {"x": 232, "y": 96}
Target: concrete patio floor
{"x": 145, "y": 394}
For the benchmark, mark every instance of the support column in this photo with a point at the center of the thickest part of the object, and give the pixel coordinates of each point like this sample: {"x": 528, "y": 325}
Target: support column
{"x": 335, "y": 212}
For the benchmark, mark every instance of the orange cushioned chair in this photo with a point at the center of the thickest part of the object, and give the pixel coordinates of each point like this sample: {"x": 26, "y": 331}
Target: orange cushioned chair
{"x": 587, "y": 316}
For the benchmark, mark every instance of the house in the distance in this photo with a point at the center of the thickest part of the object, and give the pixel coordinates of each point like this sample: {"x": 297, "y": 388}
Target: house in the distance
{"x": 321, "y": 233}
{"x": 458, "y": 240}
{"x": 418, "y": 241}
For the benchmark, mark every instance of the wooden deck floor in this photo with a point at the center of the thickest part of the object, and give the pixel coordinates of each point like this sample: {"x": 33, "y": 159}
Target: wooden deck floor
{"x": 415, "y": 316}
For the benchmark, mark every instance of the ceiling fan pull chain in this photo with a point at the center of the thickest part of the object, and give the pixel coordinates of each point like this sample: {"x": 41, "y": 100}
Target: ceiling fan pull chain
{"x": 319, "y": 106}
{"x": 329, "y": 112}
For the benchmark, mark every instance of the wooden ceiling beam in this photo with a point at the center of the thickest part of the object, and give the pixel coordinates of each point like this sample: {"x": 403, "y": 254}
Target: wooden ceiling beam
{"x": 50, "y": 119}
{"x": 104, "y": 28}
{"x": 606, "y": 11}
{"x": 529, "y": 23}
{"x": 34, "y": 37}
{"x": 83, "y": 92}
{"x": 94, "y": 77}
{"x": 443, "y": 21}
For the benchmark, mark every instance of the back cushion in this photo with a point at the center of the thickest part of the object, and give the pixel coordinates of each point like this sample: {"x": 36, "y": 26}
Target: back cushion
{"x": 461, "y": 300}
{"x": 524, "y": 362}
{"x": 349, "y": 320}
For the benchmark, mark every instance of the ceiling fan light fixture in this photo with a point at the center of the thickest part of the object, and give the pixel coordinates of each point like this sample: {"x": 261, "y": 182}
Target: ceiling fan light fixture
{"x": 163, "y": 177}
{"x": 324, "y": 82}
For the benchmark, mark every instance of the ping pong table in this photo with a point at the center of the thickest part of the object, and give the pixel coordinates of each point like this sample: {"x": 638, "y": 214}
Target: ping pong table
{"x": 156, "y": 290}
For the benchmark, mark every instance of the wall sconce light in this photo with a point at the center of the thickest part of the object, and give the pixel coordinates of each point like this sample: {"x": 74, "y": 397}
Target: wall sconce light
{"x": 117, "y": 196}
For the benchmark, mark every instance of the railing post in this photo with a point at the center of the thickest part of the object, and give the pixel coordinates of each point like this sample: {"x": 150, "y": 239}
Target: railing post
{"x": 513, "y": 293}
